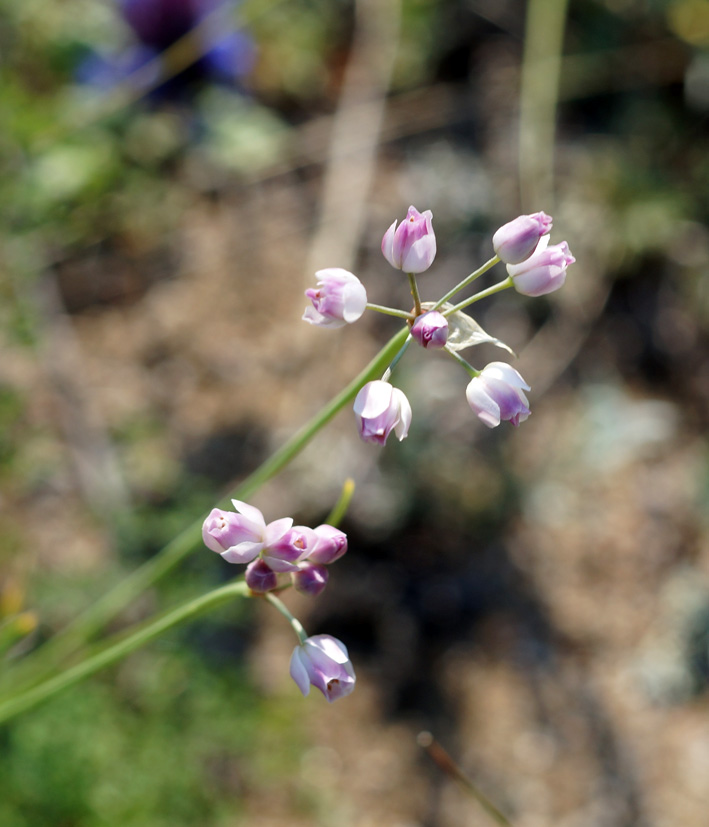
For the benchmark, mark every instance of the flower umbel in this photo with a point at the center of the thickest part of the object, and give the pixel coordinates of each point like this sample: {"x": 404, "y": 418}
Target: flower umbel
{"x": 322, "y": 661}
{"x": 497, "y": 394}
{"x": 339, "y": 298}
{"x": 411, "y": 246}
{"x": 380, "y": 409}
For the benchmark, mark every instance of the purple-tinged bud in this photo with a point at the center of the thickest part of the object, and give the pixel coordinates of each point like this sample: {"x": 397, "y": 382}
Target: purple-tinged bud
{"x": 330, "y": 545}
{"x": 340, "y": 298}
{"x": 544, "y": 271}
{"x": 411, "y": 246}
{"x": 310, "y": 578}
{"x": 380, "y": 409}
{"x": 322, "y": 661}
{"x": 431, "y": 330}
{"x": 283, "y": 553}
{"x": 260, "y": 577}
{"x": 515, "y": 241}
{"x": 237, "y": 537}
{"x": 497, "y": 394}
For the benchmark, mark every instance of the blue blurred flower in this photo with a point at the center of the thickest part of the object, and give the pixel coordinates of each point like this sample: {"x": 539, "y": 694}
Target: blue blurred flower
{"x": 223, "y": 53}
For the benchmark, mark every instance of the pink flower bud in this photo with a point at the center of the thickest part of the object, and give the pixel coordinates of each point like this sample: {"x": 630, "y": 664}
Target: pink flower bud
{"x": 497, "y": 394}
{"x": 260, "y": 577}
{"x": 330, "y": 545}
{"x": 381, "y": 408}
{"x": 544, "y": 271}
{"x": 412, "y": 246}
{"x": 282, "y": 553}
{"x": 515, "y": 241}
{"x": 310, "y": 578}
{"x": 431, "y": 330}
{"x": 237, "y": 537}
{"x": 340, "y": 298}
{"x": 322, "y": 661}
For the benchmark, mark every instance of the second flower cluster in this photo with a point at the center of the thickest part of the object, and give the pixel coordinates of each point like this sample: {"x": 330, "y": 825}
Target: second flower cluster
{"x": 273, "y": 549}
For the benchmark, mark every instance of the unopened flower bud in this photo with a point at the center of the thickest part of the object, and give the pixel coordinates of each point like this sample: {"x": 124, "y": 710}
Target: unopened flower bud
{"x": 544, "y": 271}
{"x": 515, "y": 241}
{"x": 322, "y": 661}
{"x": 411, "y": 246}
{"x": 431, "y": 330}
{"x": 497, "y": 394}
{"x": 311, "y": 578}
{"x": 237, "y": 537}
{"x": 340, "y": 298}
{"x": 380, "y": 409}
{"x": 260, "y": 577}
{"x": 330, "y": 545}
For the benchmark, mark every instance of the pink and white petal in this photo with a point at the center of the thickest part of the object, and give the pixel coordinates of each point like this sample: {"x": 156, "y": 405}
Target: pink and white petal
{"x": 298, "y": 672}
{"x": 275, "y": 530}
{"x": 487, "y": 410}
{"x": 277, "y": 564}
{"x": 243, "y": 552}
{"x": 401, "y": 429}
{"x": 373, "y": 400}
{"x": 505, "y": 373}
{"x": 329, "y": 647}
{"x": 250, "y": 512}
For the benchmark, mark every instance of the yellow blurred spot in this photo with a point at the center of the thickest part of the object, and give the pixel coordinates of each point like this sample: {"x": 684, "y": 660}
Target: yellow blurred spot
{"x": 25, "y": 623}
{"x": 12, "y": 596}
{"x": 689, "y": 20}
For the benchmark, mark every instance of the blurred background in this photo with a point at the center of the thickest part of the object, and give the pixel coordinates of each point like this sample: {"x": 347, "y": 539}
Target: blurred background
{"x": 172, "y": 174}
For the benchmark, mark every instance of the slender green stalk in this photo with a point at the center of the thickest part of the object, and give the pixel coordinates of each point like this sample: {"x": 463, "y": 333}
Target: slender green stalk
{"x": 469, "y": 369}
{"x": 335, "y": 517}
{"x": 97, "y": 615}
{"x": 390, "y": 311}
{"x": 466, "y": 281}
{"x": 483, "y": 294}
{"x": 415, "y": 293}
{"x": 115, "y": 652}
{"x": 395, "y": 361}
{"x": 294, "y": 622}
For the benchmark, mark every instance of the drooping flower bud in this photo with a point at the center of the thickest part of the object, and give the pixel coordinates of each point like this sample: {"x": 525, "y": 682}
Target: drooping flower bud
{"x": 330, "y": 545}
{"x": 411, "y": 246}
{"x": 497, "y": 394}
{"x": 322, "y": 661}
{"x": 311, "y": 578}
{"x": 515, "y": 241}
{"x": 380, "y": 409}
{"x": 260, "y": 577}
{"x": 544, "y": 271}
{"x": 431, "y": 330}
{"x": 340, "y": 298}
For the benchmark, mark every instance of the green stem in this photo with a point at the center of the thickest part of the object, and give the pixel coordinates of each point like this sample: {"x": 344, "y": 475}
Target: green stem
{"x": 415, "y": 293}
{"x": 466, "y": 281}
{"x": 294, "y": 622}
{"x": 483, "y": 294}
{"x": 97, "y": 615}
{"x": 389, "y": 311}
{"x": 113, "y": 653}
{"x": 469, "y": 369}
{"x": 387, "y": 373}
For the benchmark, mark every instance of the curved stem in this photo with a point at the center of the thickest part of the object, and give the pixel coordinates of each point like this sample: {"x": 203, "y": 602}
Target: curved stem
{"x": 483, "y": 294}
{"x": 294, "y": 622}
{"x": 469, "y": 369}
{"x": 466, "y": 281}
{"x": 387, "y": 373}
{"x": 336, "y": 515}
{"x": 113, "y": 653}
{"x": 107, "y": 607}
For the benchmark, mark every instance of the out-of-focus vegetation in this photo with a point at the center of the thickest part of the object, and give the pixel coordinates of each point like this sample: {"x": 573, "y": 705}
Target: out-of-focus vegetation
{"x": 538, "y": 597}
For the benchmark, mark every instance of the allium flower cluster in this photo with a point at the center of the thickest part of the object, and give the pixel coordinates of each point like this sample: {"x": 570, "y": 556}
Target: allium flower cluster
{"x": 243, "y": 536}
{"x": 497, "y": 392}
